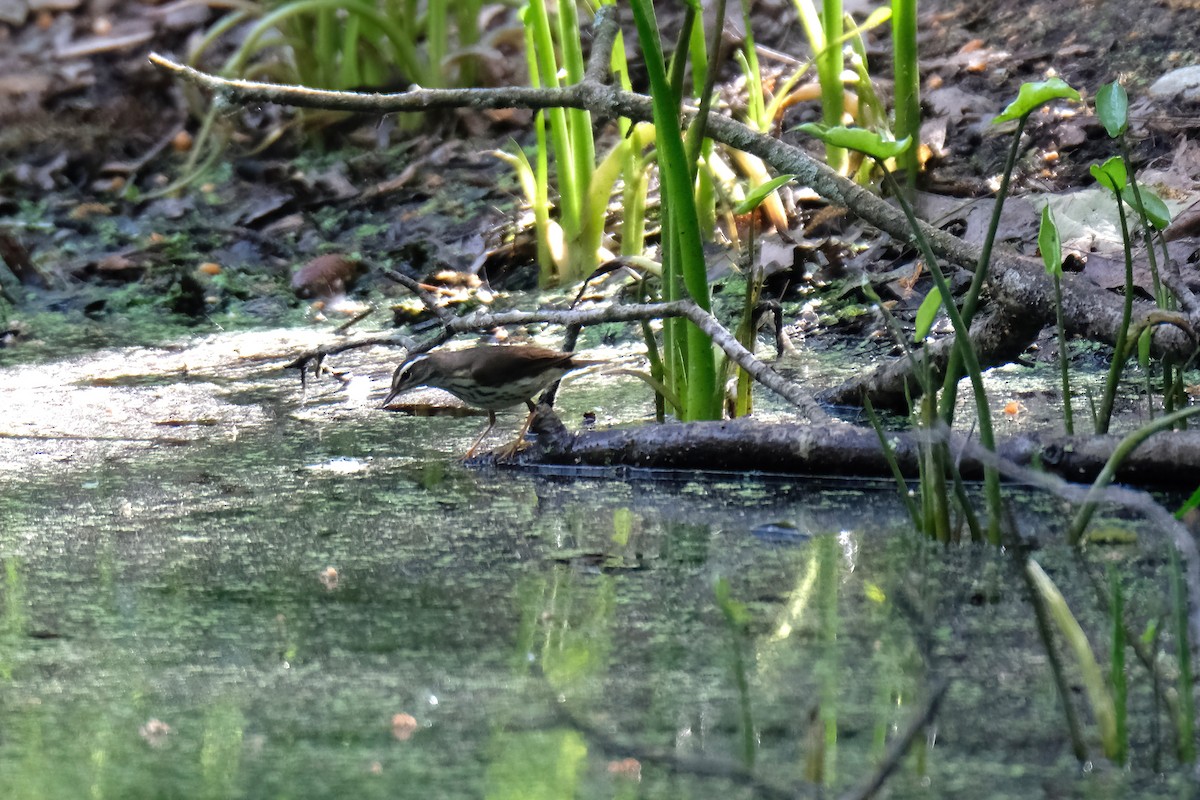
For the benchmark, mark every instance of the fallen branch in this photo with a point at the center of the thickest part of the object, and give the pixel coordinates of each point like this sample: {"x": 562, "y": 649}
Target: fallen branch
{"x": 1165, "y": 460}
{"x": 486, "y": 320}
{"x": 1055, "y": 464}
{"x": 721, "y": 337}
{"x": 1088, "y": 310}
{"x": 999, "y": 338}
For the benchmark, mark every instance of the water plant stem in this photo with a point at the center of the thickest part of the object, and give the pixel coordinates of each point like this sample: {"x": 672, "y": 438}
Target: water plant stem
{"x": 889, "y": 454}
{"x": 570, "y": 186}
{"x": 683, "y": 248}
{"x": 1121, "y": 452}
{"x": 827, "y": 53}
{"x": 1042, "y": 616}
{"x": 1116, "y": 670}
{"x": 1104, "y": 415}
{"x": 1160, "y": 296}
{"x": 908, "y": 83}
{"x": 736, "y": 618}
{"x": 1185, "y": 724}
{"x": 696, "y": 130}
{"x": 583, "y": 148}
{"x": 1063, "y": 361}
{"x": 962, "y": 344}
{"x": 954, "y": 367}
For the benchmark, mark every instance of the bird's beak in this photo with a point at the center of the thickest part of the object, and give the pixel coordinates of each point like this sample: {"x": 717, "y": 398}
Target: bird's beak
{"x": 387, "y": 401}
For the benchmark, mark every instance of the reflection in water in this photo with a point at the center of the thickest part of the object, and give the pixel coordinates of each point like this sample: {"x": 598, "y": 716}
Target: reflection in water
{"x": 232, "y": 623}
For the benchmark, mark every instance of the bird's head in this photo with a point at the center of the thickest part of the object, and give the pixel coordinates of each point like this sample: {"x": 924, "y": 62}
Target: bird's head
{"x": 415, "y": 371}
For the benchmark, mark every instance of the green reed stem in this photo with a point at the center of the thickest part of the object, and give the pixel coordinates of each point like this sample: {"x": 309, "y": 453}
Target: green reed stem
{"x": 684, "y": 247}
{"x": 1063, "y": 361}
{"x": 1121, "y": 452}
{"x": 1185, "y": 722}
{"x": 889, "y": 455}
{"x": 970, "y": 360}
{"x": 1041, "y": 615}
{"x": 908, "y": 82}
{"x": 1117, "y": 680}
{"x": 954, "y": 367}
{"x": 1104, "y": 416}
{"x": 1160, "y": 296}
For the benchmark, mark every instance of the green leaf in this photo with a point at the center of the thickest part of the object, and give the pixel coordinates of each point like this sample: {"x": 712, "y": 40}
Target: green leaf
{"x": 520, "y": 165}
{"x": 1192, "y": 503}
{"x": 735, "y": 613}
{"x": 1095, "y": 687}
{"x": 927, "y": 313}
{"x": 1049, "y": 243}
{"x": 759, "y": 193}
{"x": 685, "y": 251}
{"x": 860, "y": 139}
{"x": 1034, "y": 94}
{"x": 873, "y": 20}
{"x": 1112, "y": 107}
{"x": 1144, "y": 340}
{"x": 1111, "y": 174}
{"x": 1156, "y": 211}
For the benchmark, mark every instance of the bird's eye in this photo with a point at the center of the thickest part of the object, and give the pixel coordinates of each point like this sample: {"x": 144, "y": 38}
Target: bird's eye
{"x": 406, "y": 370}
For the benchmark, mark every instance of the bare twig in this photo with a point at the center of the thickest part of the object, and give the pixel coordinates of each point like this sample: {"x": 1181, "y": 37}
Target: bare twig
{"x": 357, "y": 318}
{"x": 604, "y": 36}
{"x": 673, "y": 762}
{"x": 1178, "y": 286}
{"x": 900, "y": 745}
{"x": 485, "y": 320}
{"x": 721, "y": 337}
{"x": 390, "y": 340}
{"x": 427, "y": 300}
{"x": 1088, "y": 310}
{"x": 316, "y": 357}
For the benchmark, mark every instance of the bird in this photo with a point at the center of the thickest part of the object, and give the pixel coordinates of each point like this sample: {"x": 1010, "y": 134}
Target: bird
{"x": 491, "y": 377}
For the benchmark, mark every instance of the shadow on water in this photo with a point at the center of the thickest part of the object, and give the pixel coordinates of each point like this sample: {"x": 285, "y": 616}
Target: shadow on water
{"x": 355, "y": 615}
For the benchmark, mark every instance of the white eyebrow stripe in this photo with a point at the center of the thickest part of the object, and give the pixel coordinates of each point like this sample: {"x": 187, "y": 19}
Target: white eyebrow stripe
{"x": 408, "y": 365}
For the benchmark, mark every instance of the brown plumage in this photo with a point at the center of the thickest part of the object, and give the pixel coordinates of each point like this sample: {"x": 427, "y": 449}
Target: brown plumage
{"x": 491, "y": 377}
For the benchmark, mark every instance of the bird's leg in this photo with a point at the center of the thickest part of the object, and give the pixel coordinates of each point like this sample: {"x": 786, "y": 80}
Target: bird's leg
{"x": 486, "y": 431}
{"x": 517, "y": 445}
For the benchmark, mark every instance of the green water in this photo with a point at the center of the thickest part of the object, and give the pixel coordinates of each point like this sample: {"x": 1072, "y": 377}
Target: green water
{"x": 247, "y": 617}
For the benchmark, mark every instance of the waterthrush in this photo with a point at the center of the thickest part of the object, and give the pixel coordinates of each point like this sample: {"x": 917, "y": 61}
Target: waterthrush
{"x": 491, "y": 377}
